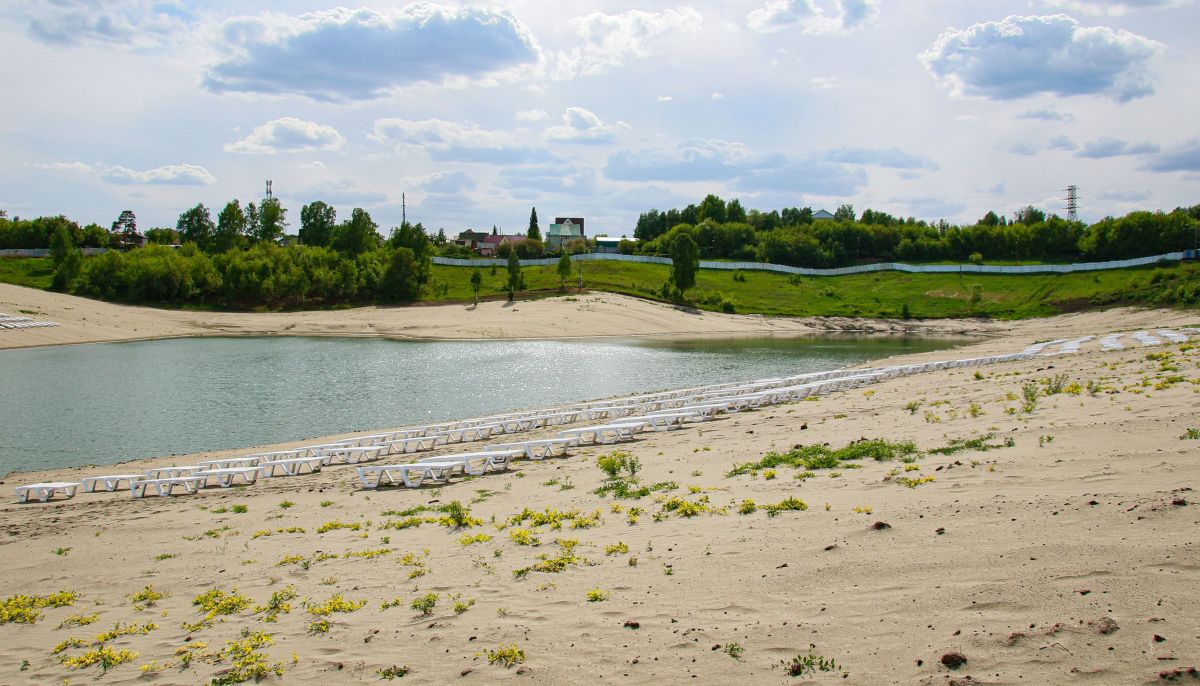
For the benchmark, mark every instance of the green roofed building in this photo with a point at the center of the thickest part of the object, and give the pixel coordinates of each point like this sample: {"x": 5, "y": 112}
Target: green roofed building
{"x": 559, "y": 235}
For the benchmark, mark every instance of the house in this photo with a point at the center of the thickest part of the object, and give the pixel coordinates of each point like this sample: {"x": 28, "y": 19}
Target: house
{"x": 822, "y": 215}
{"x": 611, "y": 244}
{"x": 470, "y": 238}
{"x": 562, "y": 232}
{"x": 577, "y": 221}
{"x": 127, "y": 240}
{"x": 489, "y": 246}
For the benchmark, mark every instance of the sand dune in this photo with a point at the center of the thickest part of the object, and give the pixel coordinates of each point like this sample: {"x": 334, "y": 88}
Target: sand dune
{"x": 1066, "y": 553}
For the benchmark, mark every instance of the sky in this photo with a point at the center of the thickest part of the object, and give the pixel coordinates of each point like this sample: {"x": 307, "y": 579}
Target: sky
{"x": 474, "y": 113}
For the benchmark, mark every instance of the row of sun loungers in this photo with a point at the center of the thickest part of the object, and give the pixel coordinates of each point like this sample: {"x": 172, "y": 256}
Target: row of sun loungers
{"x": 9, "y": 321}
{"x": 628, "y": 416}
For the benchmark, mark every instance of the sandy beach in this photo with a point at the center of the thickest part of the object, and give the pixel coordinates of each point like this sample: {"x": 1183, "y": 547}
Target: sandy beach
{"x": 1065, "y": 552}
{"x": 589, "y": 315}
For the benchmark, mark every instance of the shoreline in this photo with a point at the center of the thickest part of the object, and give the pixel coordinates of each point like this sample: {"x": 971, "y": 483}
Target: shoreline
{"x": 591, "y": 315}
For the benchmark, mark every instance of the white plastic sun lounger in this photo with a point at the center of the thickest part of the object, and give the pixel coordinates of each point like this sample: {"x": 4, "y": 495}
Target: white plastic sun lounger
{"x": 472, "y": 433}
{"x": 229, "y": 462}
{"x": 477, "y": 463}
{"x": 541, "y": 448}
{"x": 1145, "y": 338}
{"x": 1112, "y": 342}
{"x": 292, "y": 466}
{"x": 356, "y": 454}
{"x": 1072, "y": 346}
{"x": 45, "y": 491}
{"x": 164, "y": 487}
{"x": 170, "y": 472}
{"x": 1172, "y": 336}
{"x": 226, "y": 476}
{"x": 110, "y": 482}
{"x": 605, "y": 433}
{"x": 411, "y": 475}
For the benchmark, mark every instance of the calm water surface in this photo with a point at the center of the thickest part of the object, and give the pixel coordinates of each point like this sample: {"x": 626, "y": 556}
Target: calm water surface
{"x": 105, "y": 403}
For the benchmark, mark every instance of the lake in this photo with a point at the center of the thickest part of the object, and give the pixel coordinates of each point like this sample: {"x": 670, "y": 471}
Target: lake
{"x": 105, "y": 403}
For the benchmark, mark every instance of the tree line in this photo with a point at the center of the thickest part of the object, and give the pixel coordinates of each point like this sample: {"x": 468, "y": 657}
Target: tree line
{"x": 793, "y": 236}
{"x": 236, "y": 260}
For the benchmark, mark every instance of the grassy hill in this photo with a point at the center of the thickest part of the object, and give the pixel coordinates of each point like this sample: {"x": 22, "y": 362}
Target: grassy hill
{"x": 883, "y": 294}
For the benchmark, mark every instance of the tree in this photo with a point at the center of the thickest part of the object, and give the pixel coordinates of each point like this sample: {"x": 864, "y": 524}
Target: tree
{"x": 272, "y": 220}
{"x": 989, "y": 219}
{"x": 476, "y": 284}
{"x": 124, "y": 229}
{"x": 196, "y": 226}
{"x": 231, "y": 226}
{"x": 400, "y": 279}
{"x": 564, "y": 270}
{"x": 358, "y": 234}
{"x": 734, "y": 212}
{"x": 253, "y": 220}
{"x": 413, "y": 237}
{"x": 516, "y": 278}
{"x": 67, "y": 259}
{"x": 845, "y": 213}
{"x": 712, "y": 208}
{"x": 317, "y": 222}
{"x": 534, "y": 232}
{"x": 440, "y": 239}
{"x": 1029, "y": 215}
{"x": 685, "y": 262}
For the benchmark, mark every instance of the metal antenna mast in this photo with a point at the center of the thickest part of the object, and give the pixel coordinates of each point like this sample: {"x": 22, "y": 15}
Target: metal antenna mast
{"x": 403, "y": 211}
{"x": 1073, "y": 203}
{"x": 269, "y": 195}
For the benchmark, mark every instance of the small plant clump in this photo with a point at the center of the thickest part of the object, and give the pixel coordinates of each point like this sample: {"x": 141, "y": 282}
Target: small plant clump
{"x": 215, "y": 603}
{"x": 425, "y": 604}
{"x": 788, "y": 504}
{"x": 823, "y": 457}
{"x": 246, "y": 663}
{"x": 979, "y": 443}
{"x": 616, "y": 549}
{"x": 103, "y": 657}
{"x": 809, "y": 664}
{"x": 747, "y": 506}
{"x": 596, "y": 595}
{"x": 280, "y": 603}
{"x": 506, "y": 655}
{"x": 394, "y": 672}
{"x": 24, "y": 609}
{"x": 146, "y": 597}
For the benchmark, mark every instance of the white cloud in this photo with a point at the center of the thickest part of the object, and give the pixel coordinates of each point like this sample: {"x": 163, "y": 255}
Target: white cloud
{"x": 1026, "y": 148}
{"x": 813, "y": 176}
{"x": 582, "y": 126}
{"x": 64, "y": 166}
{"x": 1115, "y": 7}
{"x": 456, "y": 142}
{"x": 824, "y": 83}
{"x": 777, "y": 15}
{"x": 531, "y": 115}
{"x": 1185, "y": 158}
{"x": 1125, "y": 196}
{"x": 288, "y": 134}
{"x": 1045, "y": 115}
{"x": 664, "y": 98}
{"x": 169, "y": 175}
{"x": 530, "y": 183}
{"x": 691, "y": 159}
{"x": 447, "y": 183}
{"x": 1061, "y": 143}
{"x": 717, "y": 96}
{"x": 343, "y": 55}
{"x": 1024, "y": 56}
{"x": 892, "y": 158}
{"x": 343, "y": 192}
{"x": 1105, "y": 147}
{"x": 132, "y": 23}
{"x": 610, "y": 39}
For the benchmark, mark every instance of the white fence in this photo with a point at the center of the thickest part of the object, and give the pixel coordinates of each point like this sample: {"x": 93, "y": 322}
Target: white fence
{"x": 842, "y": 271}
